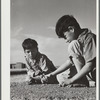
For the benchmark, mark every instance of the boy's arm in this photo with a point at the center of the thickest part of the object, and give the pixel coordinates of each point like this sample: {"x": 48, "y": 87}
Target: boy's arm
{"x": 38, "y": 78}
{"x": 86, "y": 68}
{"x": 62, "y": 68}
{"x": 41, "y": 78}
{"x": 46, "y": 65}
{"x": 27, "y": 63}
{"x": 30, "y": 71}
{"x": 28, "y": 67}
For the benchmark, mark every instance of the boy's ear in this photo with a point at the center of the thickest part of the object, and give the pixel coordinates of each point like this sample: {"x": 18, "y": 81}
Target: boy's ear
{"x": 71, "y": 29}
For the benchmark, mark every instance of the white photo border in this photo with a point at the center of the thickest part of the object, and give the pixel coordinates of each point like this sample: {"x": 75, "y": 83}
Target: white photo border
{"x": 5, "y": 49}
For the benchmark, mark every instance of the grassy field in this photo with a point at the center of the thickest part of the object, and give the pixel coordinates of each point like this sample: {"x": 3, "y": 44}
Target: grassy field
{"x": 20, "y": 90}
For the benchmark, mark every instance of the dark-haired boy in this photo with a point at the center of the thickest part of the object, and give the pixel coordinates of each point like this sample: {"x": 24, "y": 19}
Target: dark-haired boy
{"x": 82, "y": 52}
{"x": 38, "y": 65}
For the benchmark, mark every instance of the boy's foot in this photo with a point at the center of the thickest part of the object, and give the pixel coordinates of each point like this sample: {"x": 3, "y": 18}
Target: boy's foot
{"x": 79, "y": 85}
{"x": 73, "y": 85}
{"x": 83, "y": 82}
{"x": 92, "y": 84}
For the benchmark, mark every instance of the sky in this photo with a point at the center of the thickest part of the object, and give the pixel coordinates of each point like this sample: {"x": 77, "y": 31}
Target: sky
{"x": 36, "y": 19}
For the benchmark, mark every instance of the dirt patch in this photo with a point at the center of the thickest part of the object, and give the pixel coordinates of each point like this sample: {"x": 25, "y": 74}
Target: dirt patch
{"x": 20, "y": 90}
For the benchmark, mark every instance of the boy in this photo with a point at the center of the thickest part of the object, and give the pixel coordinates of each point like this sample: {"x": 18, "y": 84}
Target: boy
{"x": 38, "y": 65}
{"x": 82, "y": 52}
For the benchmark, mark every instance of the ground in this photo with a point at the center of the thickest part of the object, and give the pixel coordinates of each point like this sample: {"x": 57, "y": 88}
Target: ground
{"x": 20, "y": 90}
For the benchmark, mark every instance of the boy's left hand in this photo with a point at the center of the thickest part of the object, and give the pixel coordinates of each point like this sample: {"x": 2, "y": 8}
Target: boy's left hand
{"x": 30, "y": 73}
{"x": 44, "y": 79}
{"x": 67, "y": 82}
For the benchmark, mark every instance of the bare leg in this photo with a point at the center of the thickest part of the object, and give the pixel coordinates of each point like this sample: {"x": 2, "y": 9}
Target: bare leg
{"x": 76, "y": 56}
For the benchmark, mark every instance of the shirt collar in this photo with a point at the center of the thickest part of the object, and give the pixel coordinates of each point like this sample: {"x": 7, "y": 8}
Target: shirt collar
{"x": 84, "y": 31}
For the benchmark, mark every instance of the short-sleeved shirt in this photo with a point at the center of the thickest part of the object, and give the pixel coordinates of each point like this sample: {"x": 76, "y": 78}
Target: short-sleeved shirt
{"x": 84, "y": 49}
{"x": 40, "y": 65}
{"x": 88, "y": 41}
{"x": 84, "y": 46}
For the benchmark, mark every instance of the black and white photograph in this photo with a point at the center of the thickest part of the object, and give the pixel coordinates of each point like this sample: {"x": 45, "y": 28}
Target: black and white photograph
{"x": 53, "y": 50}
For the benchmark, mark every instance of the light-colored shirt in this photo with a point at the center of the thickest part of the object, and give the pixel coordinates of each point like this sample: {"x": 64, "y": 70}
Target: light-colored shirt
{"x": 88, "y": 41}
{"x": 84, "y": 49}
{"x": 84, "y": 46}
{"x": 40, "y": 65}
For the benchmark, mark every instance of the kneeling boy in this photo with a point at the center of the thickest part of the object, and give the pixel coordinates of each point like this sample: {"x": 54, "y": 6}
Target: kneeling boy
{"x": 38, "y": 65}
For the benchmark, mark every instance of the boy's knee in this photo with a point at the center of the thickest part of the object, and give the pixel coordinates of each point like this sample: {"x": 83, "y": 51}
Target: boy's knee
{"x": 76, "y": 53}
{"x": 92, "y": 75}
{"x": 62, "y": 76}
{"x": 59, "y": 78}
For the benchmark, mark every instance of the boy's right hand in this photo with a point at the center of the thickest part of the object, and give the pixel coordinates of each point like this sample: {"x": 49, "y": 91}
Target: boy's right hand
{"x": 44, "y": 79}
{"x": 30, "y": 73}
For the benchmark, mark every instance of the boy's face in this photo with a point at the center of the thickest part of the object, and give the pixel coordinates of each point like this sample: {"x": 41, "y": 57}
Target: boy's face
{"x": 31, "y": 53}
{"x": 69, "y": 35}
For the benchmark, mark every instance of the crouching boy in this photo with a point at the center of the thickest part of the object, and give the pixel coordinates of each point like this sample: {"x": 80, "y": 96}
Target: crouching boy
{"x": 38, "y": 65}
{"x": 81, "y": 50}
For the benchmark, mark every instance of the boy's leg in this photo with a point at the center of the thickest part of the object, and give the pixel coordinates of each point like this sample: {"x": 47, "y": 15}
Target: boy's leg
{"x": 77, "y": 59}
{"x": 62, "y": 76}
{"x": 75, "y": 54}
{"x": 66, "y": 74}
{"x": 52, "y": 80}
{"x": 79, "y": 65}
{"x": 92, "y": 75}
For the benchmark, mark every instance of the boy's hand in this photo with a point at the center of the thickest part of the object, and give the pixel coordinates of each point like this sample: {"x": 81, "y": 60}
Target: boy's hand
{"x": 30, "y": 73}
{"x": 67, "y": 82}
{"x": 37, "y": 78}
{"x": 44, "y": 79}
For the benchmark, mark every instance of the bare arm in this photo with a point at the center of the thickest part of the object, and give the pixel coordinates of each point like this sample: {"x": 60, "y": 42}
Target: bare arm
{"x": 37, "y": 77}
{"x": 86, "y": 68}
{"x": 62, "y": 68}
{"x": 27, "y": 63}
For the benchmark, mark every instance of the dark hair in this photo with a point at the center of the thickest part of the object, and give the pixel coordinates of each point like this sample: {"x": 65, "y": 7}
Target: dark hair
{"x": 29, "y": 44}
{"x": 63, "y": 23}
